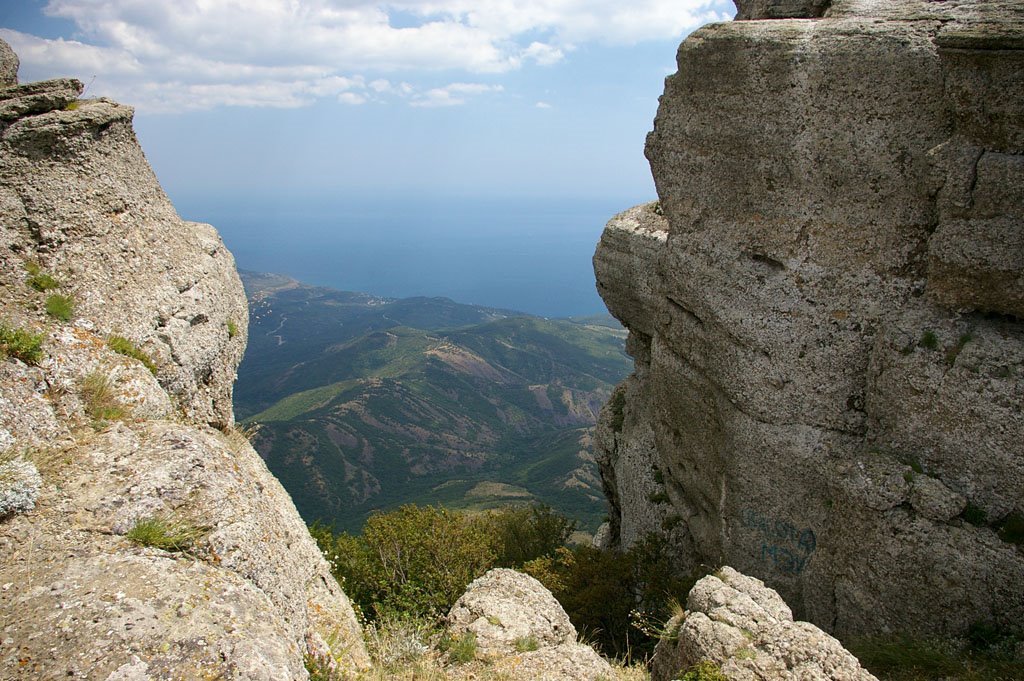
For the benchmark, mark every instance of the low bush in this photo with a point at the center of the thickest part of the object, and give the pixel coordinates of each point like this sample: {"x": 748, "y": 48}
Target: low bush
{"x": 39, "y": 280}
{"x": 21, "y": 344}
{"x": 60, "y": 307}
{"x": 414, "y": 561}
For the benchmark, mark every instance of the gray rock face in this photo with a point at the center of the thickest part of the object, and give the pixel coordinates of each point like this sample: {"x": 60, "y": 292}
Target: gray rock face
{"x": 746, "y": 628}
{"x": 780, "y": 9}
{"x": 825, "y": 314}
{"x": 8, "y": 65}
{"x": 101, "y": 442}
{"x": 522, "y": 630}
{"x": 78, "y": 197}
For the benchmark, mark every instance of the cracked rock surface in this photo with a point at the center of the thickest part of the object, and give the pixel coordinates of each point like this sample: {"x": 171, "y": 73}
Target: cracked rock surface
{"x": 744, "y": 627}
{"x": 121, "y": 415}
{"x": 825, "y": 311}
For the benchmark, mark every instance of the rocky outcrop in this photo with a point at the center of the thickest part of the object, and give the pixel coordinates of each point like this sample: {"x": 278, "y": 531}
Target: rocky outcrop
{"x": 522, "y": 631}
{"x": 825, "y": 311}
{"x": 78, "y": 198}
{"x": 137, "y": 541}
{"x": 747, "y": 630}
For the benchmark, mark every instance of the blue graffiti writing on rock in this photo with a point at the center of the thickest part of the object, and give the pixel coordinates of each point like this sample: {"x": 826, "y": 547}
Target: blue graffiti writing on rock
{"x": 783, "y": 544}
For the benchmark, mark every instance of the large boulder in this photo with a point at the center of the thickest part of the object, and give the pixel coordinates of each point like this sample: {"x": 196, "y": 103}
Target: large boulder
{"x": 522, "y": 632}
{"x": 746, "y": 629}
{"x": 825, "y": 313}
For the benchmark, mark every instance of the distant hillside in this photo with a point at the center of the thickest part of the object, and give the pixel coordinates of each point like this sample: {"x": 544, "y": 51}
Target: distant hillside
{"x": 368, "y": 402}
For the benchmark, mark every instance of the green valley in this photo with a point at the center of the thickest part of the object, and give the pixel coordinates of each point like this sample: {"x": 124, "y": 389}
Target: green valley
{"x": 366, "y": 403}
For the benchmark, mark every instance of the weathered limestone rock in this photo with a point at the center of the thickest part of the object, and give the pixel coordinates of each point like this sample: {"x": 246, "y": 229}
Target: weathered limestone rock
{"x": 522, "y": 630}
{"x": 780, "y": 9}
{"x": 825, "y": 314}
{"x": 78, "y": 197}
{"x": 8, "y": 65}
{"x": 744, "y": 627}
{"x": 113, "y": 443}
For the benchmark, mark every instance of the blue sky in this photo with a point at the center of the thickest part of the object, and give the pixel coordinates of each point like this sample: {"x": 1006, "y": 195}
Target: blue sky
{"x": 506, "y": 98}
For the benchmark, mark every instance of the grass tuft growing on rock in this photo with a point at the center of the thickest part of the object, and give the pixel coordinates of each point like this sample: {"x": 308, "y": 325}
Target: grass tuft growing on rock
{"x": 461, "y": 649}
{"x": 21, "y": 344}
{"x": 99, "y": 400}
{"x": 704, "y": 671}
{"x": 166, "y": 533}
{"x": 232, "y": 328}
{"x": 123, "y": 346}
{"x": 525, "y": 644}
{"x": 60, "y": 307}
{"x": 39, "y": 280}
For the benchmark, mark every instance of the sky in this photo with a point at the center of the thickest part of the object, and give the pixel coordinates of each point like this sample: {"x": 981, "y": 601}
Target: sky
{"x": 237, "y": 99}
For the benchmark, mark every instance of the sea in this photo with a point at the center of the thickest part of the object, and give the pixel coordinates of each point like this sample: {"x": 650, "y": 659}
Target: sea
{"x": 529, "y": 255}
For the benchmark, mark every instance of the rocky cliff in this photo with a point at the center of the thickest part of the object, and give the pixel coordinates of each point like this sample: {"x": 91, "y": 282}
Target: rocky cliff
{"x": 825, "y": 311}
{"x": 141, "y": 537}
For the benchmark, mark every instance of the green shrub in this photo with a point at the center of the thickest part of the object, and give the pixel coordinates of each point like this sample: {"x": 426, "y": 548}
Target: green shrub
{"x": 232, "y": 328}
{"x": 1011, "y": 530}
{"x": 929, "y": 341}
{"x": 28, "y": 347}
{"x": 60, "y": 307}
{"x": 123, "y": 346}
{"x": 604, "y": 591}
{"x": 166, "y": 533}
{"x": 520, "y": 534}
{"x": 39, "y": 280}
{"x": 415, "y": 560}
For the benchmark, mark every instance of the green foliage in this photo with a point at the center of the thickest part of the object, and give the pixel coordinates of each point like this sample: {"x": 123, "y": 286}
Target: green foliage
{"x": 26, "y": 346}
{"x": 520, "y": 534}
{"x": 986, "y": 653}
{"x": 60, "y": 307}
{"x": 99, "y": 400}
{"x": 415, "y": 560}
{"x": 39, "y": 280}
{"x": 659, "y": 497}
{"x": 954, "y": 351}
{"x": 73, "y": 105}
{"x": 123, "y": 346}
{"x": 929, "y": 341}
{"x": 1011, "y": 530}
{"x": 525, "y": 644}
{"x": 603, "y": 591}
{"x": 705, "y": 671}
{"x": 166, "y": 533}
{"x": 232, "y": 328}
{"x": 462, "y": 649}
{"x": 975, "y": 515}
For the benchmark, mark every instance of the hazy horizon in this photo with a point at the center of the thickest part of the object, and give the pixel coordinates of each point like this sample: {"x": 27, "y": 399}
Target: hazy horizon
{"x": 527, "y": 255}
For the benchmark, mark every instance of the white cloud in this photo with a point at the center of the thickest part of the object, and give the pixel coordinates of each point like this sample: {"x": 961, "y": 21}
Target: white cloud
{"x": 292, "y": 52}
{"x": 542, "y": 105}
{"x": 453, "y": 94}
